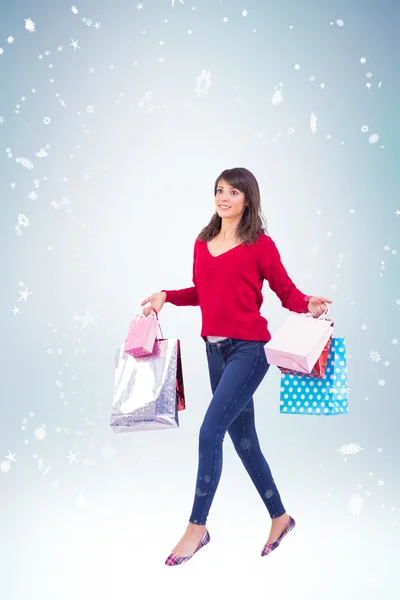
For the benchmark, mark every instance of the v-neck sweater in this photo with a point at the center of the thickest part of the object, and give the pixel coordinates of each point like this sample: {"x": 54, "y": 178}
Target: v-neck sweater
{"x": 228, "y": 289}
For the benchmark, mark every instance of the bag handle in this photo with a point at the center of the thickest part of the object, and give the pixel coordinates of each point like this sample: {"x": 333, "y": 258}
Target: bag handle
{"x": 321, "y": 317}
{"x": 153, "y": 310}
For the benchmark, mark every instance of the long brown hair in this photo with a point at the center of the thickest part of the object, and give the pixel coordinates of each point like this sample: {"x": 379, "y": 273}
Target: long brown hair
{"x": 252, "y": 223}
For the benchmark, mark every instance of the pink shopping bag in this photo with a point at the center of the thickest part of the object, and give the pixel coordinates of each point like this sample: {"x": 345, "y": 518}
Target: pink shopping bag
{"x": 299, "y": 343}
{"x": 142, "y": 335}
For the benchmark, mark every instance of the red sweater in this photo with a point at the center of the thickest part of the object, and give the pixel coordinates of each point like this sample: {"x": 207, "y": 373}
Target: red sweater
{"x": 228, "y": 289}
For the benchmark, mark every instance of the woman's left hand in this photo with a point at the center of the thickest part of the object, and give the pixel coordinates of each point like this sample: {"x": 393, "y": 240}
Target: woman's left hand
{"x": 318, "y": 305}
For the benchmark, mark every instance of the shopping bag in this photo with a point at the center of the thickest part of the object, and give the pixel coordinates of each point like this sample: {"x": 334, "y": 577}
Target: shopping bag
{"x": 148, "y": 390}
{"x": 299, "y": 343}
{"x": 328, "y": 396}
{"x": 142, "y": 335}
{"x": 318, "y": 369}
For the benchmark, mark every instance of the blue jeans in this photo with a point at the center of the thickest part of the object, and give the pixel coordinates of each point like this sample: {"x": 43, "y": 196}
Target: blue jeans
{"x": 236, "y": 369}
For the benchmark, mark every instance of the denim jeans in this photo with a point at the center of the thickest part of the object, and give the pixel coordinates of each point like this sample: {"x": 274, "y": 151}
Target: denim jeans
{"x": 236, "y": 370}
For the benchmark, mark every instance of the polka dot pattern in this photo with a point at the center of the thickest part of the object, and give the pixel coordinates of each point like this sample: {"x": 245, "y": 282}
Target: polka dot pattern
{"x": 302, "y": 395}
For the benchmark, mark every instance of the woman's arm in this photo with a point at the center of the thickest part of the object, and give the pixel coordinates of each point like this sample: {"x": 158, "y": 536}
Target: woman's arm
{"x": 279, "y": 281}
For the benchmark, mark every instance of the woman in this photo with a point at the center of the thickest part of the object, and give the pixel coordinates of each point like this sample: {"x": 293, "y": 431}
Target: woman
{"x": 233, "y": 255}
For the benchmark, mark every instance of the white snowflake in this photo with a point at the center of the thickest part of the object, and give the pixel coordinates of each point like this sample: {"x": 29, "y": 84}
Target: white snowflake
{"x": 356, "y": 504}
{"x": 32, "y": 195}
{"x": 313, "y": 122}
{"x": 40, "y": 432}
{"x": 23, "y": 221}
{"x": 74, "y": 10}
{"x": 1, "y": 120}
{"x": 398, "y": 301}
{"x": 277, "y": 98}
{"x": 373, "y": 138}
{"x": 90, "y": 109}
{"x": 1, "y": 51}
{"x": 375, "y": 356}
{"x": 25, "y": 162}
{"x": 10, "y": 39}
{"x": 364, "y": 128}
{"x": 30, "y": 25}
{"x": 381, "y": 382}
{"x": 203, "y": 83}
{"x": 350, "y": 449}
{"x": 89, "y": 22}
{"x": 5, "y": 466}
{"x": 47, "y": 120}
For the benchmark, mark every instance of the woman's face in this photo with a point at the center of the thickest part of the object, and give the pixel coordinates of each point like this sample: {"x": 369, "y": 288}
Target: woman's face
{"x": 229, "y": 201}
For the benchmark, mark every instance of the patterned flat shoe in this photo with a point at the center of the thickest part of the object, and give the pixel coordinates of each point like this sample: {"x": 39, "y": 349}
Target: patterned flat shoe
{"x": 173, "y": 560}
{"x": 268, "y": 548}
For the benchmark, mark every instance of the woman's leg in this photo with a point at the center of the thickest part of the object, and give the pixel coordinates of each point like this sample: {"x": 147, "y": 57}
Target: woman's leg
{"x": 236, "y": 370}
{"x": 245, "y": 366}
{"x": 245, "y": 440}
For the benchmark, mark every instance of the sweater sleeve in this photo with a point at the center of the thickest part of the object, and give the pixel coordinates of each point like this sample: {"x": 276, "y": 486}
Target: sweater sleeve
{"x": 280, "y": 282}
{"x": 186, "y": 296}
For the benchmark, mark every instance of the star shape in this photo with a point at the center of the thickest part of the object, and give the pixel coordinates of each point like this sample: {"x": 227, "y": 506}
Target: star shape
{"x": 397, "y": 213}
{"x": 74, "y": 44}
{"x": 24, "y": 295}
{"x": 15, "y": 310}
{"x": 72, "y": 457}
{"x": 88, "y": 319}
{"x": 140, "y": 6}
{"x": 10, "y": 457}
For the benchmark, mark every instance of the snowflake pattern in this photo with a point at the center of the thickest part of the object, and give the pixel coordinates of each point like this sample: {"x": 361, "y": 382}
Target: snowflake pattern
{"x": 350, "y": 449}
{"x": 25, "y": 162}
{"x": 356, "y": 504}
{"x": 245, "y": 443}
{"x": 23, "y": 220}
{"x": 30, "y": 25}
{"x": 40, "y": 432}
{"x": 313, "y": 123}
{"x": 277, "y": 98}
{"x": 375, "y": 356}
{"x": 5, "y": 466}
{"x": 203, "y": 83}
{"x": 373, "y": 138}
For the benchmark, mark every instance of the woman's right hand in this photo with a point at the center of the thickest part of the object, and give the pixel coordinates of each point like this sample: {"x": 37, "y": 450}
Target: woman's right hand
{"x": 156, "y": 301}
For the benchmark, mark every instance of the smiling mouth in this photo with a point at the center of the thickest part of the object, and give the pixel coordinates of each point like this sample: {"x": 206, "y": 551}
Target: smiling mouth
{"x": 224, "y": 206}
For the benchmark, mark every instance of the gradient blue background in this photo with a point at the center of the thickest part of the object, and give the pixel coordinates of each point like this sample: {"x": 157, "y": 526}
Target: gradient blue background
{"x": 139, "y": 172}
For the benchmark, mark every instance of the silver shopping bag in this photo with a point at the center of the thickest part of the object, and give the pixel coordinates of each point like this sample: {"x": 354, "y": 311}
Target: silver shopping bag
{"x": 148, "y": 390}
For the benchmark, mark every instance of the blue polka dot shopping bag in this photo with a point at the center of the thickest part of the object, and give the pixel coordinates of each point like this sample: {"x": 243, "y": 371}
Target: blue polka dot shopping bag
{"x": 326, "y": 396}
